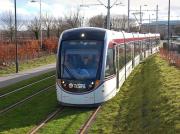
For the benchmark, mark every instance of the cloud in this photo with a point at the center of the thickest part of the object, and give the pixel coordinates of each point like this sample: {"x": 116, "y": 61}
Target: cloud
{"x": 6, "y": 5}
{"x": 63, "y": 7}
{"x": 22, "y": 11}
{"x": 58, "y": 10}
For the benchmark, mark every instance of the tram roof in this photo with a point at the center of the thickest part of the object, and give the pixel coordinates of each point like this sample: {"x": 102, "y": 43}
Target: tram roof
{"x": 94, "y": 33}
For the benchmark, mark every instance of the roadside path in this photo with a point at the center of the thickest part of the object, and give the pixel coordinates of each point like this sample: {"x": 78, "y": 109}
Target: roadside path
{"x": 16, "y": 77}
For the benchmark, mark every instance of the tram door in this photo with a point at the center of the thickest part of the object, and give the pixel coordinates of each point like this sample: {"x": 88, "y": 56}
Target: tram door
{"x": 117, "y": 65}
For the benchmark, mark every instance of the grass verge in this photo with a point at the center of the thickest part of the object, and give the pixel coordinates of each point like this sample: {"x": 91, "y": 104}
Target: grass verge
{"x": 26, "y": 116}
{"x": 24, "y": 82}
{"x": 22, "y": 94}
{"x": 148, "y": 102}
{"x": 29, "y": 65}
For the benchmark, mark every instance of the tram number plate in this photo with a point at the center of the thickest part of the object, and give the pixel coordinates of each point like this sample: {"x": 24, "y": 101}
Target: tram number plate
{"x": 79, "y": 85}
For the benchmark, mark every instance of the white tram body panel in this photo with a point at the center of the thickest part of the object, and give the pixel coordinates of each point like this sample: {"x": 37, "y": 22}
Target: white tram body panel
{"x": 99, "y": 95}
{"x": 137, "y": 57}
{"x": 79, "y": 99}
{"x": 147, "y": 43}
{"x": 137, "y": 60}
{"x": 122, "y": 77}
{"x": 104, "y": 92}
{"x": 119, "y": 54}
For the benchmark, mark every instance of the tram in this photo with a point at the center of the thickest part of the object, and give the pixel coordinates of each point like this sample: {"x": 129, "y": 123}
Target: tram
{"x": 93, "y": 63}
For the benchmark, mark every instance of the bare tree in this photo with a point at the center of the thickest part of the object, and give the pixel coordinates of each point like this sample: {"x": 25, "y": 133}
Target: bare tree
{"x": 70, "y": 20}
{"x": 120, "y": 22}
{"x": 8, "y": 25}
{"x": 47, "y": 22}
{"x": 73, "y": 19}
{"x": 58, "y": 26}
{"x": 97, "y": 21}
{"x": 34, "y": 26}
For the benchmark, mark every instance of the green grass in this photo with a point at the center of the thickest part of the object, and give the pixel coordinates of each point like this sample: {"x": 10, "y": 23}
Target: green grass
{"x": 148, "y": 102}
{"x": 68, "y": 122}
{"x": 29, "y": 65}
{"x": 22, "y": 94}
{"x": 26, "y": 116}
{"x": 24, "y": 82}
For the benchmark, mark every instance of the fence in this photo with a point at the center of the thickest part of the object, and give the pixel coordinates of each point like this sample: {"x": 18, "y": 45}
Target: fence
{"x": 171, "y": 53}
{"x": 27, "y": 50}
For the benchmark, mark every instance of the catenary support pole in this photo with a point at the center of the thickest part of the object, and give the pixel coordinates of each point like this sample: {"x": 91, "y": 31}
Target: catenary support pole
{"x": 15, "y": 34}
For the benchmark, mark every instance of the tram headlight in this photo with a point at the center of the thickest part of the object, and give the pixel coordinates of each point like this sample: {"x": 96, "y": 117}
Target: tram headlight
{"x": 94, "y": 84}
{"x": 61, "y": 82}
{"x": 90, "y": 85}
{"x": 82, "y": 35}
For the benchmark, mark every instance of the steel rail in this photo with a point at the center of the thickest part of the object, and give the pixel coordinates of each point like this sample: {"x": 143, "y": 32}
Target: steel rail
{"x": 49, "y": 117}
{"x": 16, "y": 90}
{"x": 26, "y": 99}
{"x": 87, "y": 124}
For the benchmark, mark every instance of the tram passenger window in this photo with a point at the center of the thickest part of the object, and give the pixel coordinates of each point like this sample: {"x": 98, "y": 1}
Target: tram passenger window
{"x": 157, "y": 42}
{"x": 110, "y": 70}
{"x": 121, "y": 56}
{"x": 147, "y": 44}
{"x": 136, "y": 48}
{"x": 144, "y": 45}
{"x": 128, "y": 52}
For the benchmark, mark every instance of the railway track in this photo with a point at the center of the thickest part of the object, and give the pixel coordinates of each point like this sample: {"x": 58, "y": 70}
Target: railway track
{"x": 16, "y": 90}
{"x": 48, "y": 118}
{"x": 24, "y": 100}
{"x": 87, "y": 124}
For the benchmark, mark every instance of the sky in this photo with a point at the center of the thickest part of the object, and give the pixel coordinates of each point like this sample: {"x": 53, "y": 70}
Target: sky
{"x": 59, "y": 8}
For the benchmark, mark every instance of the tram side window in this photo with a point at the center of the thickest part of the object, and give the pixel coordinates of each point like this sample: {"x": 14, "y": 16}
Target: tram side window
{"x": 144, "y": 45}
{"x": 154, "y": 42}
{"x": 136, "y": 48}
{"x": 110, "y": 70}
{"x": 128, "y": 52}
{"x": 157, "y": 41}
{"x": 147, "y": 42}
{"x": 121, "y": 56}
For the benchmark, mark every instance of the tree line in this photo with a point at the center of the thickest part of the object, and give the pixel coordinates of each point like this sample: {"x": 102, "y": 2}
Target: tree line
{"x": 53, "y": 27}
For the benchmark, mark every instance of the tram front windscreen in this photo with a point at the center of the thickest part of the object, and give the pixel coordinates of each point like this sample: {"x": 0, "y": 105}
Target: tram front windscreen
{"x": 80, "y": 59}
